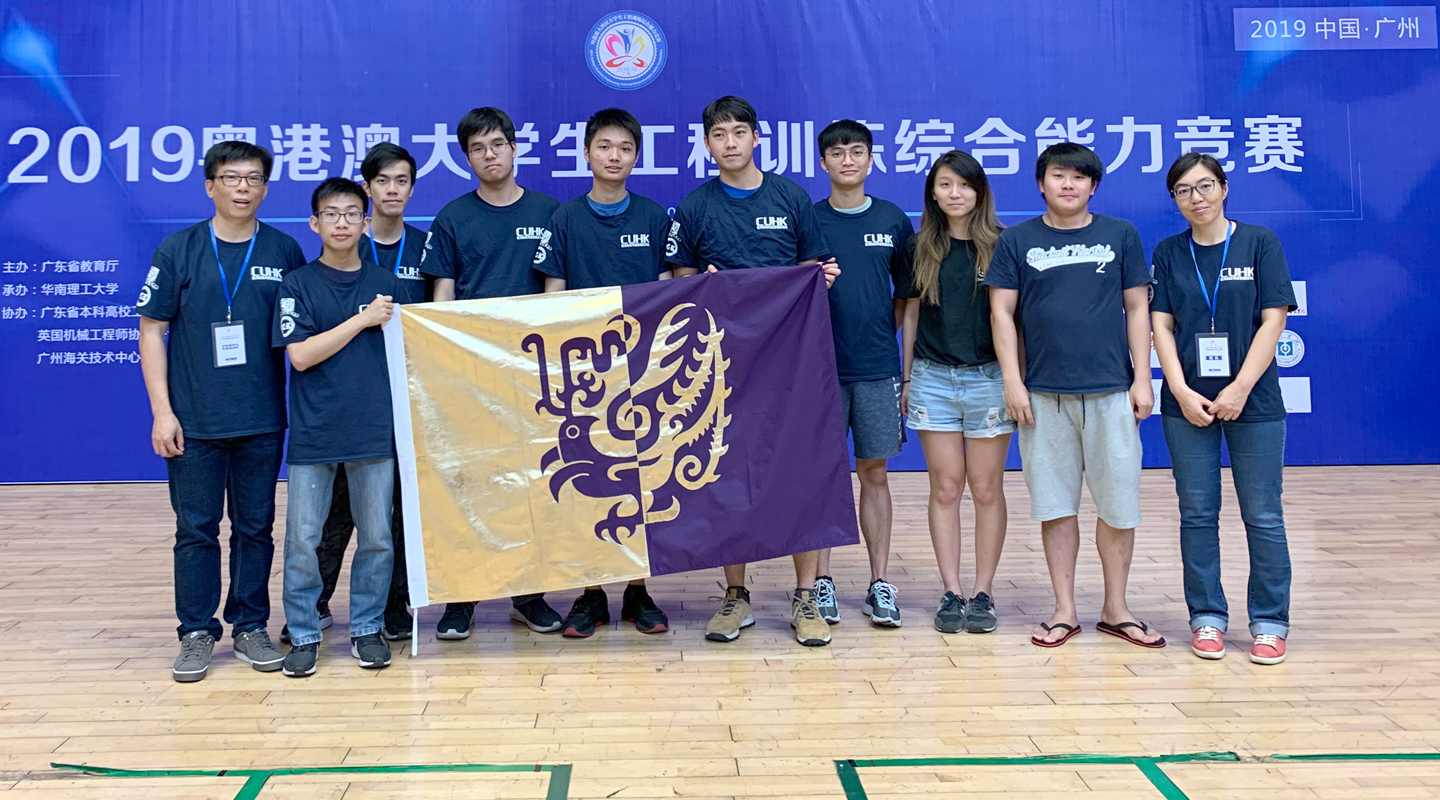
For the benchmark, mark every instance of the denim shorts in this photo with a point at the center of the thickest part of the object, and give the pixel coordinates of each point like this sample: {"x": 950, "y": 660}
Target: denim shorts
{"x": 969, "y": 400}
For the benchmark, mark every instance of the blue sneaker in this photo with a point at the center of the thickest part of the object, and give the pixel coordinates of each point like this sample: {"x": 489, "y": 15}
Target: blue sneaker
{"x": 825, "y": 599}
{"x": 881, "y": 605}
{"x": 950, "y": 617}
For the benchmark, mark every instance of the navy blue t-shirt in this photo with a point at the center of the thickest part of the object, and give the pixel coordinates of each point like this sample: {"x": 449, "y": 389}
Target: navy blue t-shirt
{"x": 773, "y": 227}
{"x": 866, "y": 246}
{"x": 1255, "y": 278}
{"x": 1072, "y": 301}
{"x": 412, "y": 281}
{"x": 339, "y": 408}
{"x": 590, "y": 250}
{"x": 184, "y": 289}
{"x": 489, "y": 251}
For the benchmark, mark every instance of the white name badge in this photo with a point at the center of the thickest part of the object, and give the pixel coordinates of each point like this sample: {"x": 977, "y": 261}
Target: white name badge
{"x": 1214, "y": 352}
{"x": 229, "y": 339}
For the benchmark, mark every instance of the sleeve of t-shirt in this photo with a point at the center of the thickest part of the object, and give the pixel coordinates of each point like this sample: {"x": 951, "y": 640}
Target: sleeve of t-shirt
{"x": 682, "y": 245}
{"x": 441, "y": 257}
{"x": 1160, "y": 298}
{"x": 550, "y": 253}
{"x": 294, "y": 322}
{"x": 809, "y": 239}
{"x": 1273, "y": 274}
{"x": 1004, "y": 271}
{"x": 160, "y": 296}
{"x": 1135, "y": 271}
{"x": 902, "y": 271}
{"x": 660, "y": 230}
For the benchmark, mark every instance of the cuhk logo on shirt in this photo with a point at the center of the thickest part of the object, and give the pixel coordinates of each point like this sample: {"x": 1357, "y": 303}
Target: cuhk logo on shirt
{"x": 634, "y": 240}
{"x": 879, "y": 240}
{"x": 1237, "y": 274}
{"x": 409, "y": 274}
{"x": 529, "y": 233}
{"x": 772, "y": 223}
{"x": 266, "y": 274}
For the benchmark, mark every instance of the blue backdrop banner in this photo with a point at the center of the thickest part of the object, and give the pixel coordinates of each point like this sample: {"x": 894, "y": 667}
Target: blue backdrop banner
{"x": 1322, "y": 114}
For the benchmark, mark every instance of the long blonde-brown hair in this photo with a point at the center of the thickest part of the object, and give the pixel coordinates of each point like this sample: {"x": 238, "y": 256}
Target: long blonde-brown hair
{"x": 932, "y": 242}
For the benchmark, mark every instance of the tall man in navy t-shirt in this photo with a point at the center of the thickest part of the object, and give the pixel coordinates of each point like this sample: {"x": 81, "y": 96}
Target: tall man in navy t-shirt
{"x": 866, "y": 236}
{"x": 218, "y": 396}
{"x": 482, "y": 244}
{"x": 607, "y": 237}
{"x": 1080, "y": 285}
{"x": 328, "y": 316}
{"x": 748, "y": 218}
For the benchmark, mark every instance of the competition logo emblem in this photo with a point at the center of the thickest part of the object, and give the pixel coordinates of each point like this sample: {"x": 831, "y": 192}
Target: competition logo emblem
{"x": 1290, "y": 349}
{"x": 287, "y": 316}
{"x": 626, "y": 50}
{"x": 672, "y": 415}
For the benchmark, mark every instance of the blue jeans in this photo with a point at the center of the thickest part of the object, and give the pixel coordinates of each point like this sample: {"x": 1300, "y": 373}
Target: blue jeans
{"x": 1257, "y": 459}
{"x": 209, "y": 478}
{"x": 371, "y": 485}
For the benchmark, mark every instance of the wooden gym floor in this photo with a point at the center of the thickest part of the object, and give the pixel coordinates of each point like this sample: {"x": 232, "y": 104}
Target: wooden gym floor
{"x": 86, "y": 611}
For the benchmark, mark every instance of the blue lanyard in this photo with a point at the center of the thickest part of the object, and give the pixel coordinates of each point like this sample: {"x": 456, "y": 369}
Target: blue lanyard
{"x": 244, "y": 267}
{"x": 399, "y": 254}
{"x": 1211, "y": 299}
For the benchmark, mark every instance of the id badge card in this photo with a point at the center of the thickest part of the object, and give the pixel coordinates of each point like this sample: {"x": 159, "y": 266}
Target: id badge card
{"x": 1214, "y": 352}
{"x": 229, "y": 341}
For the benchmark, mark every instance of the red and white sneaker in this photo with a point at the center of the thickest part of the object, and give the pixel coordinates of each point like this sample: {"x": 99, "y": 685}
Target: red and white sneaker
{"x": 1268, "y": 649}
{"x": 1208, "y": 643}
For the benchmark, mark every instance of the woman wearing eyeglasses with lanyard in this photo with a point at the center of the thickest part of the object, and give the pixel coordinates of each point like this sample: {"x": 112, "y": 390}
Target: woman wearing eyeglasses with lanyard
{"x": 1222, "y": 292}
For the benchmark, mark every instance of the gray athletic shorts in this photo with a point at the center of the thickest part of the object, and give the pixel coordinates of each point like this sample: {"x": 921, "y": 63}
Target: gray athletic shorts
{"x": 872, "y": 410}
{"x": 1089, "y": 435}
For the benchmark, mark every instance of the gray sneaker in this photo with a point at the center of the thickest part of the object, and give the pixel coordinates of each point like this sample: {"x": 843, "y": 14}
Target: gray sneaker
{"x": 950, "y": 618}
{"x": 825, "y": 599}
{"x": 980, "y": 614}
{"x": 371, "y": 651}
{"x": 193, "y": 663}
{"x": 880, "y": 604}
{"x": 256, "y": 649}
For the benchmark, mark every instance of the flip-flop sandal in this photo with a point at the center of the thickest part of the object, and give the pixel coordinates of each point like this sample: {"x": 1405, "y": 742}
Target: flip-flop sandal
{"x": 1119, "y": 630}
{"x": 1070, "y": 631}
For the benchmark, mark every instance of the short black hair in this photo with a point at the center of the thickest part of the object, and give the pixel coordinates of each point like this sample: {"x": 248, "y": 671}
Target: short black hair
{"x": 479, "y": 120}
{"x": 845, "y": 131}
{"x": 1069, "y": 155}
{"x": 1189, "y": 161}
{"x": 383, "y": 155}
{"x": 729, "y": 109}
{"x": 613, "y": 118}
{"x": 334, "y": 187}
{"x": 222, "y": 153}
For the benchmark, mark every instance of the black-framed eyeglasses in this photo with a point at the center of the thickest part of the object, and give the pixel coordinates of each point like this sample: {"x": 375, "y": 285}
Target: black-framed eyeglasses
{"x": 1204, "y": 187}
{"x": 234, "y": 180}
{"x": 332, "y": 217}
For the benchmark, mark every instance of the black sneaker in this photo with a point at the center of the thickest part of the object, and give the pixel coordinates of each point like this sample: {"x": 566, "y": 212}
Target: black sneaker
{"x": 980, "y": 614}
{"x": 641, "y": 610}
{"x": 300, "y": 661}
{"x": 533, "y": 611}
{"x": 455, "y": 623}
{"x": 950, "y": 617}
{"x": 398, "y": 624}
{"x": 370, "y": 650}
{"x": 591, "y": 610}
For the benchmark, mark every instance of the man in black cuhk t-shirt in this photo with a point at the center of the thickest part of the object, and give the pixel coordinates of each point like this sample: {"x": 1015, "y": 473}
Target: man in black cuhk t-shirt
{"x": 482, "y": 244}
{"x": 218, "y": 395}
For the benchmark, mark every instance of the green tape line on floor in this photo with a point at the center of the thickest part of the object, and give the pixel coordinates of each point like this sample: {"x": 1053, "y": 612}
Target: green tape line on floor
{"x": 1160, "y": 780}
{"x": 1077, "y": 758}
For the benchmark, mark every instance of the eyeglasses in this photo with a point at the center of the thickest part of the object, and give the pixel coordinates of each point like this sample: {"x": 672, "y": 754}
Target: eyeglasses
{"x": 480, "y": 150}
{"x": 332, "y": 217}
{"x": 1204, "y": 187}
{"x": 857, "y": 152}
{"x": 234, "y": 180}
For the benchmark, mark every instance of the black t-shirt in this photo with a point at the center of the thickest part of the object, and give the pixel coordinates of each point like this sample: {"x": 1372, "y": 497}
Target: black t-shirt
{"x": 1255, "y": 278}
{"x": 1072, "y": 301}
{"x": 773, "y": 227}
{"x": 339, "y": 408}
{"x": 866, "y": 246}
{"x": 412, "y": 281}
{"x": 489, "y": 251}
{"x": 589, "y": 250}
{"x": 956, "y": 331}
{"x": 184, "y": 289}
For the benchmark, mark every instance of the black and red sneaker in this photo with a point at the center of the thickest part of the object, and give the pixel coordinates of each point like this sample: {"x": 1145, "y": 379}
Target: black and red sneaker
{"x": 638, "y": 608}
{"x": 591, "y": 610}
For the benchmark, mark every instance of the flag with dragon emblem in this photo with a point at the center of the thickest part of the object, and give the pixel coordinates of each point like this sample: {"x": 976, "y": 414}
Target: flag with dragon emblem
{"x": 556, "y": 441}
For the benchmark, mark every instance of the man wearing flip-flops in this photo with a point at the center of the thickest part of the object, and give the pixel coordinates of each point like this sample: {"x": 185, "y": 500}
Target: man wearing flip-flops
{"x": 1080, "y": 283}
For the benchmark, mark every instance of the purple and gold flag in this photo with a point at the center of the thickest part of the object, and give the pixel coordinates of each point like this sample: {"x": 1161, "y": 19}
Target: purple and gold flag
{"x": 555, "y": 441}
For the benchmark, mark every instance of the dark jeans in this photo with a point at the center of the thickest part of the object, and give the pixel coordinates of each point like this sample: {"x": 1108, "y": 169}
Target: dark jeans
{"x": 212, "y": 477}
{"x": 1257, "y": 459}
{"x": 335, "y": 538}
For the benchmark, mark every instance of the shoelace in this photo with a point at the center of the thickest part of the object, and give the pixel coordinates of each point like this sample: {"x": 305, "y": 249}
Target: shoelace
{"x": 192, "y": 645}
{"x": 824, "y": 593}
{"x": 1269, "y": 639}
{"x": 1208, "y": 634}
{"x": 731, "y": 604}
{"x": 952, "y": 603}
{"x": 808, "y": 609}
{"x": 262, "y": 638}
{"x": 884, "y": 595}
